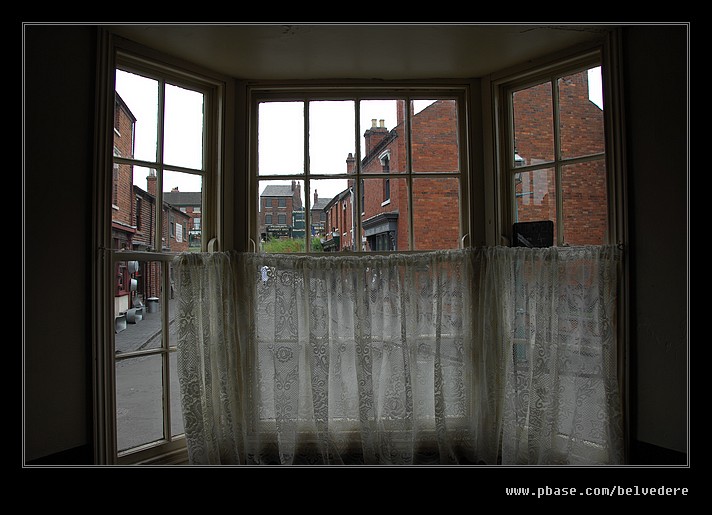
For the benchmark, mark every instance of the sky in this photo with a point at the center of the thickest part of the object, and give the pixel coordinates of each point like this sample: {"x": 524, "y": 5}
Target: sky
{"x": 281, "y": 133}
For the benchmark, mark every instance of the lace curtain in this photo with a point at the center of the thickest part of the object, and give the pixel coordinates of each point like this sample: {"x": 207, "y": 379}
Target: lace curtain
{"x": 471, "y": 356}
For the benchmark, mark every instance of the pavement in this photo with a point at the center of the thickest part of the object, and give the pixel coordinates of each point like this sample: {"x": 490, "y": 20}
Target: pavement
{"x": 145, "y": 333}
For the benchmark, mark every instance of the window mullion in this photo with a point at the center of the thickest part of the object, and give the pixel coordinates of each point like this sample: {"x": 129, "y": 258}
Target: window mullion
{"x": 557, "y": 162}
{"x": 165, "y": 345}
{"x": 357, "y": 174}
{"x": 158, "y": 242}
{"x": 409, "y": 170}
{"x": 307, "y": 184}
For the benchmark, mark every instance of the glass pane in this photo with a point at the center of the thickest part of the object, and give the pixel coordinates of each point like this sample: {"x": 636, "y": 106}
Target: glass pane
{"x": 331, "y": 136}
{"x": 183, "y": 204}
{"x": 385, "y": 218}
{"x": 183, "y": 127}
{"x": 281, "y": 138}
{"x": 581, "y": 114}
{"x": 122, "y": 206}
{"x": 281, "y": 221}
{"x": 139, "y": 401}
{"x": 436, "y": 213}
{"x": 383, "y": 140}
{"x": 434, "y": 136}
{"x": 177, "y": 427}
{"x": 585, "y": 203}
{"x": 136, "y": 115}
{"x": 533, "y": 125}
{"x": 535, "y": 196}
{"x": 137, "y": 306}
{"x": 324, "y": 201}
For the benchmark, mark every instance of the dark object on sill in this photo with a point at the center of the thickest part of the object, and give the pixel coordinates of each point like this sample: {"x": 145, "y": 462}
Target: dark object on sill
{"x": 533, "y": 234}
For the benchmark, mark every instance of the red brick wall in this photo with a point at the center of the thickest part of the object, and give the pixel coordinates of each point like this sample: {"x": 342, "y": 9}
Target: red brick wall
{"x": 583, "y": 186}
{"x": 434, "y": 140}
{"x": 122, "y": 193}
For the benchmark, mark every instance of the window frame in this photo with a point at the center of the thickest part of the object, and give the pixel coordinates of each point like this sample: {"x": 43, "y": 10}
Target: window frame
{"x": 502, "y": 85}
{"x": 115, "y": 52}
{"x": 354, "y": 91}
{"x": 499, "y": 198}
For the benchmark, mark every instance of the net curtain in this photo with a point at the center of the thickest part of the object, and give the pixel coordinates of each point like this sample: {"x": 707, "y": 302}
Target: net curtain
{"x": 477, "y": 356}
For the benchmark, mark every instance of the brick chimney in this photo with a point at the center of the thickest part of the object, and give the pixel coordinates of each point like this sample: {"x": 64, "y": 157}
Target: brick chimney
{"x": 316, "y": 198}
{"x": 151, "y": 182}
{"x": 350, "y": 163}
{"x": 374, "y": 135}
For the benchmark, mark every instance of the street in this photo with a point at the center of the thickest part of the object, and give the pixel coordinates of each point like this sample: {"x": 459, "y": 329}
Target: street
{"x": 139, "y": 389}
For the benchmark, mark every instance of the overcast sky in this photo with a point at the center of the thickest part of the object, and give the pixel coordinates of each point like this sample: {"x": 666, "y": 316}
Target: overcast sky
{"x": 281, "y": 136}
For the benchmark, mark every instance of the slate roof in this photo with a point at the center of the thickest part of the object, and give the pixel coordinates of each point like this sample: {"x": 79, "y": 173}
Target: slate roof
{"x": 183, "y": 198}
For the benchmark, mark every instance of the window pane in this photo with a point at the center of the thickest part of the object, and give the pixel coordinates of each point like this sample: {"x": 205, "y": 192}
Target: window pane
{"x": 383, "y": 139}
{"x": 385, "y": 218}
{"x": 581, "y": 114}
{"x": 434, "y": 137}
{"x": 585, "y": 203}
{"x": 136, "y": 115}
{"x": 325, "y": 197}
{"x": 183, "y": 126}
{"x": 183, "y": 197}
{"x": 286, "y": 232}
{"x": 137, "y": 309}
{"x": 331, "y": 136}
{"x": 177, "y": 427}
{"x": 139, "y": 401}
{"x": 436, "y": 213}
{"x": 281, "y": 138}
{"x": 533, "y": 125}
{"x": 535, "y": 196}
{"x": 122, "y": 203}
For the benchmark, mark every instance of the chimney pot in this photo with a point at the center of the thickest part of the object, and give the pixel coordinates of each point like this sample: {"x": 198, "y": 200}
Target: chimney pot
{"x": 382, "y": 123}
{"x": 373, "y": 123}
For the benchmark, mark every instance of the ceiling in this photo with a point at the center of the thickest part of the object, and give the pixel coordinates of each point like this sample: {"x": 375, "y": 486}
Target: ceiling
{"x": 358, "y": 51}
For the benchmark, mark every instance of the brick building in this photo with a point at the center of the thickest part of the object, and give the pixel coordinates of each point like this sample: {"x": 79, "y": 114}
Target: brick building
{"x": 318, "y": 215}
{"x": 339, "y": 226}
{"x": 133, "y": 220}
{"x": 583, "y": 185}
{"x": 281, "y": 211}
{"x": 384, "y": 205}
{"x": 189, "y": 202}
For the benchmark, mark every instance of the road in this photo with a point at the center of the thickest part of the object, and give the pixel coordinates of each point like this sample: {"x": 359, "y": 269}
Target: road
{"x": 139, "y": 391}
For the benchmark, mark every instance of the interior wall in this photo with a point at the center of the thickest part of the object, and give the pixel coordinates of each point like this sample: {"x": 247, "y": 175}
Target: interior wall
{"x": 655, "y": 82}
{"x": 59, "y": 126}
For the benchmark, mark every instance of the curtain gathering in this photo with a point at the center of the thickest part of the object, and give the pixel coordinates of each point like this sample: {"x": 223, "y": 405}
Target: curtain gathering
{"x": 478, "y": 356}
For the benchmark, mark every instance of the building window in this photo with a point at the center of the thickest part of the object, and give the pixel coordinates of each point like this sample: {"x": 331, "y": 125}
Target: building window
{"x": 361, "y": 149}
{"x": 176, "y": 111}
{"x": 268, "y": 219}
{"x": 385, "y": 163}
{"x": 282, "y": 219}
{"x": 282, "y": 202}
{"x": 556, "y": 166}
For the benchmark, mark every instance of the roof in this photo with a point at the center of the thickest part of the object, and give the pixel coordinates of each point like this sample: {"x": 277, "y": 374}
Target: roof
{"x": 278, "y": 190}
{"x": 321, "y": 203}
{"x": 183, "y": 198}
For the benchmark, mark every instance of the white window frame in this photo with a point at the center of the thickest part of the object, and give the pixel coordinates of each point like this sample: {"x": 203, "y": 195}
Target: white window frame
{"x": 411, "y": 91}
{"x": 217, "y": 227}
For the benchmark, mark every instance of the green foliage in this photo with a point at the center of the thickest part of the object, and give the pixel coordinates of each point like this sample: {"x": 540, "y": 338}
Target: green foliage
{"x": 286, "y": 246}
